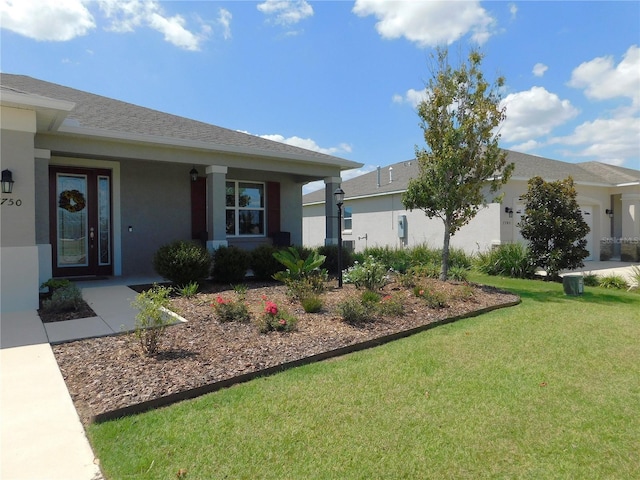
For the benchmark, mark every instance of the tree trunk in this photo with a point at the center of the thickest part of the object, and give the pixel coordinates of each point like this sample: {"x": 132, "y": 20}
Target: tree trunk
{"x": 444, "y": 268}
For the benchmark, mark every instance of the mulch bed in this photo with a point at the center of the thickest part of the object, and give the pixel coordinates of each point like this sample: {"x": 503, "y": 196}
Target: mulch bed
{"x": 47, "y": 316}
{"x": 110, "y": 374}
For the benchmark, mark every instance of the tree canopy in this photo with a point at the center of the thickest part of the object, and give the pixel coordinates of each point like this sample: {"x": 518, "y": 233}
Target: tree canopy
{"x": 554, "y": 226}
{"x": 462, "y": 166}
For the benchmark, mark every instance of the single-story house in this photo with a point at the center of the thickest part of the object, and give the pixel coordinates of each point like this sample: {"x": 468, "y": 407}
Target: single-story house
{"x": 93, "y": 186}
{"x": 609, "y": 198}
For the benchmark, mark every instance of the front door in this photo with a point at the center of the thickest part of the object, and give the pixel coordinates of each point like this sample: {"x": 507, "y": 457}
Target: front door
{"x": 80, "y": 221}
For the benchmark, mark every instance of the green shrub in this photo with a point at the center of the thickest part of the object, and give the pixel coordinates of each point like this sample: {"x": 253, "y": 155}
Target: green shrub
{"x": 590, "y": 280}
{"x": 63, "y": 299}
{"x": 391, "y": 305}
{"x": 370, "y": 275}
{"x": 459, "y": 258}
{"x": 275, "y": 318}
{"x": 398, "y": 259}
{"x": 353, "y": 311}
{"x": 303, "y": 276}
{"x": 182, "y": 262}
{"x": 230, "y": 264}
{"x": 55, "y": 283}
{"x": 613, "y": 281}
{"x": 330, "y": 252}
{"x": 425, "y": 255}
{"x": 370, "y": 297}
{"x": 263, "y": 264}
{"x": 460, "y": 274}
{"x": 635, "y": 278}
{"x": 434, "y": 299}
{"x": 189, "y": 290}
{"x": 230, "y": 310}
{"x": 311, "y": 303}
{"x": 152, "y": 318}
{"x": 508, "y": 260}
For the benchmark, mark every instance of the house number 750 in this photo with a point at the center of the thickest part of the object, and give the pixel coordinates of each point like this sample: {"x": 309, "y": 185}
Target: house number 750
{"x": 10, "y": 202}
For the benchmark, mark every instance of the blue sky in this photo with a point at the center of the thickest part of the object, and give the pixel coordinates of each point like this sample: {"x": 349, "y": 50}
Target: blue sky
{"x": 343, "y": 77}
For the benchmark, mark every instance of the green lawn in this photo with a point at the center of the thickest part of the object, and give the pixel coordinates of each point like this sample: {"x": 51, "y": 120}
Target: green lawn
{"x": 547, "y": 389}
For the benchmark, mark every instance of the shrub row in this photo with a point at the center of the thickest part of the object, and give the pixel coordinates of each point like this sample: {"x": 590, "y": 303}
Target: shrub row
{"x": 183, "y": 262}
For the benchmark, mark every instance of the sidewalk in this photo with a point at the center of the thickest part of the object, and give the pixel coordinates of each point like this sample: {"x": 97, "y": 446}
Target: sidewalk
{"x": 41, "y": 436}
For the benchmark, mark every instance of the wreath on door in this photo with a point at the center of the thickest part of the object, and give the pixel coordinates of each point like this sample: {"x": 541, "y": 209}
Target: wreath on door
{"x": 72, "y": 200}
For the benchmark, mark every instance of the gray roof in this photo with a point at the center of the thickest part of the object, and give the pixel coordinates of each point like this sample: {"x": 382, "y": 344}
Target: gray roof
{"x": 103, "y": 113}
{"x": 525, "y": 167}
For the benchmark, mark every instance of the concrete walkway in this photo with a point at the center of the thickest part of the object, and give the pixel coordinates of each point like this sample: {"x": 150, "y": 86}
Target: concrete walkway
{"x": 41, "y": 436}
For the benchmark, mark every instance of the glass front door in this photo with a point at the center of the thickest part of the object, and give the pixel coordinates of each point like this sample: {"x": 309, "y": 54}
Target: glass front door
{"x": 80, "y": 221}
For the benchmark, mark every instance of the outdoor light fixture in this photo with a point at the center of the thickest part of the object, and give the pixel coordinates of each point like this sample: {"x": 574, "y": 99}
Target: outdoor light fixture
{"x": 339, "y": 197}
{"x": 607, "y": 211}
{"x": 194, "y": 174}
{"x": 509, "y": 210}
{"x": 7, "y": 181}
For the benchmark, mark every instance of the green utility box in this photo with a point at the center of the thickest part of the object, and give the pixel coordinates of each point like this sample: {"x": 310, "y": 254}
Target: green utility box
{"x": 573, "y": 284}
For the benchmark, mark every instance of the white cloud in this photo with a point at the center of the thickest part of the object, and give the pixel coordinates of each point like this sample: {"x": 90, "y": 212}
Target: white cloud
{"x": 534, "y": 113}
{"x": 611, "y": 140}
{"x": 539, "y": 69}
{"x": 601, "y": 79}
{"x": 513, "y": 10}
{"x": 527, "y": 146}
{"x": 286, "y": 12}
{"x": 127, "y": 15}
{"x": 429, "y": 23}
{"x": 345, "y": 175}
{"x": 412, "y": 97}
{"x": 224, "y": 18}
{"x": 57, "y": 20}
{"x": 309, "y": 144}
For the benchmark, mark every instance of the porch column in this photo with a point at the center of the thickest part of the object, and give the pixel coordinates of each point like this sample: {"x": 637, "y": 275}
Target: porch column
{"x": 331, "y": 210}
{"x": 630, "y": 240}
{"x": 216, "y": 206}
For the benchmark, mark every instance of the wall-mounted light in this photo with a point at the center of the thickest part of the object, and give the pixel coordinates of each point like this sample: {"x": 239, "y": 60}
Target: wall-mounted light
{"x": 7, "y": 181}
{"x": 509, "y": 210}
{"x": 607, "y": 211}
{"x": 194, "y": 174}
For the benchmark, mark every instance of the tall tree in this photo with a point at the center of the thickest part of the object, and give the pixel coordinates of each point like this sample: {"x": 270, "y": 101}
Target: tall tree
{"x": 553, "y": 225}
{"x": 462, "y": 166}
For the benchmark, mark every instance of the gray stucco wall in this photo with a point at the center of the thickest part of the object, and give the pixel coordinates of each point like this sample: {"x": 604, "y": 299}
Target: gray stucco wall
{"x": 156, "y": 204}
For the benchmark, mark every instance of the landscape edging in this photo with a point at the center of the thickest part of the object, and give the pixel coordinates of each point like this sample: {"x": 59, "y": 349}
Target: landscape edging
{"x": 192, "y": 393}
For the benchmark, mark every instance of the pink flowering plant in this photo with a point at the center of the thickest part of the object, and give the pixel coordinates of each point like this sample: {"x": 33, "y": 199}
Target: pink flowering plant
{"x": 227, "y": 310}
{"x": 274, "y": 318}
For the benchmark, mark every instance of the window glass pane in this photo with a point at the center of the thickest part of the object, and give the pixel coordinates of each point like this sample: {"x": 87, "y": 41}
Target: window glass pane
{"x": 231, "y": 195}
{"x": 348, "y": 213}
{"x": 104, "y": 217}
{"x": 231, "y": 222}
{"x": 250, "y": 195}
{"x": 72, "y": 220}
{"x": 251, "y": 222}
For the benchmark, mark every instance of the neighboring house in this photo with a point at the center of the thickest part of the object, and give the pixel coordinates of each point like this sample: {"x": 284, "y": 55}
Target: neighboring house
{"x": 609, "y": 198}
{"x": 99, "y": 185}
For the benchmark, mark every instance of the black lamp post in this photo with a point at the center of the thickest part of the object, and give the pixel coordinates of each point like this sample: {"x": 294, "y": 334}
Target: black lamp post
{"x": 339, "y": 197}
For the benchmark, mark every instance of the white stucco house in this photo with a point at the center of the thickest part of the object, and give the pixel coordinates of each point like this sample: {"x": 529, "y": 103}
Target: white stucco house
{"x": 93, "y": 186}
{"x": 609, "y": 198}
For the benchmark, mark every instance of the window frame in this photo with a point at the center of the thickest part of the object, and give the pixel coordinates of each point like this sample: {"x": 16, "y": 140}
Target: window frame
{"x": 236, "y": 208}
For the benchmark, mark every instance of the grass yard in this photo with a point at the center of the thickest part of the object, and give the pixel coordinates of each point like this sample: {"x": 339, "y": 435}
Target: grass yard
{"x": 547, "y": 389}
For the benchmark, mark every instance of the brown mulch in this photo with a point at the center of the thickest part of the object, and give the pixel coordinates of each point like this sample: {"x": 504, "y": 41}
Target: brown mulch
{"x": 110, "y": 373}
{"x": 47, "y": 316}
